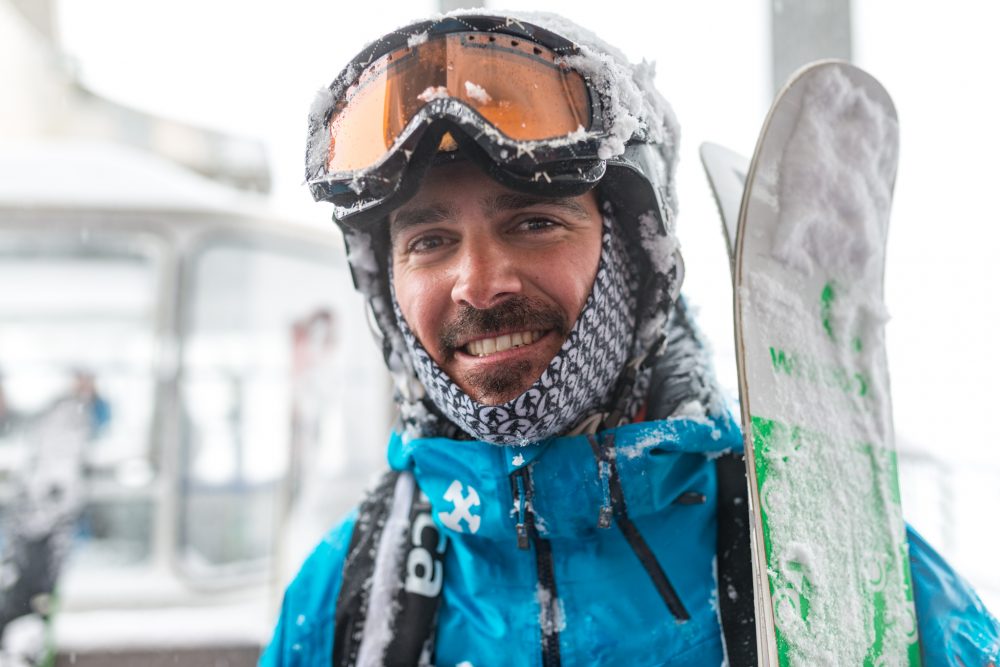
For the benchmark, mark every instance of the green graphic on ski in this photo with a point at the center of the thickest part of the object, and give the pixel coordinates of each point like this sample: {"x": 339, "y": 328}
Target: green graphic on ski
{"x": 831, "y": 572}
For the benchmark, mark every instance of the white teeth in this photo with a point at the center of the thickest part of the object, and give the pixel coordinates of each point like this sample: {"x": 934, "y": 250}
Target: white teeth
{"x": 485, "y": 346}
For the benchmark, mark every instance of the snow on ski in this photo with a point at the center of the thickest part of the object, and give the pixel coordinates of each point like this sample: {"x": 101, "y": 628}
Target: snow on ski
{"x": 830, "y": 556}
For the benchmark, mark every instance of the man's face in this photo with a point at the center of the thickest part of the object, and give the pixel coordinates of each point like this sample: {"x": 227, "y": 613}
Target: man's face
{"x": 491, "y": 281}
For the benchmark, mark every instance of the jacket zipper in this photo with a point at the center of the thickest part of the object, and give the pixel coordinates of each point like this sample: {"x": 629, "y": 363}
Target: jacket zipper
{"x": 548, "y": 600}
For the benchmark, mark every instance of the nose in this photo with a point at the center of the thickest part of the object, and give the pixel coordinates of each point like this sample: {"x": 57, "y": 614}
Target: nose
{"x": 487, "y": 274}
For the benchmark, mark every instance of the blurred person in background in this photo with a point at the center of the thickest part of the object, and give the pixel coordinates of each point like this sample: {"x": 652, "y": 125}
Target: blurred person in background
{"x": 562, "y": 485}
{"x": 5, "y": 413}
{"x": 91, "y": 402}
{"x": 8, "y": 416}
{"x": 39, "y": 523}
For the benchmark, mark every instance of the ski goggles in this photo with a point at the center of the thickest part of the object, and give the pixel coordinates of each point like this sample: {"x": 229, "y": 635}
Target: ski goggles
{"x": 502, "y": 93}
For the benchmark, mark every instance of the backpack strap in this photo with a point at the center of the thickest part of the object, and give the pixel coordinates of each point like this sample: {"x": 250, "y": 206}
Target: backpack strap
{"x": 735, "y": 572}
{"x": 394, "y": 568}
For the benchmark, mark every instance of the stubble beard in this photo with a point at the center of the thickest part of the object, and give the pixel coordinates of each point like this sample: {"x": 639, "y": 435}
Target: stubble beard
{"x": 501, "y": 383}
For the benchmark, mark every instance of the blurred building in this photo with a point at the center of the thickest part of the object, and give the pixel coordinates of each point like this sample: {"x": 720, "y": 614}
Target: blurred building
{"x": 44, "y": 99}
{"x": 176, "y": 359}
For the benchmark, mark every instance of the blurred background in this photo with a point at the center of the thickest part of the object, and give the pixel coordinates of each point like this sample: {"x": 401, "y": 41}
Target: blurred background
{"x": 189, "y": 393}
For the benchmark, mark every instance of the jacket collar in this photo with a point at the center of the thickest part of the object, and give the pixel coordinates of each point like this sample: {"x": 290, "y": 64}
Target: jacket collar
{"x": 470, "y": 483}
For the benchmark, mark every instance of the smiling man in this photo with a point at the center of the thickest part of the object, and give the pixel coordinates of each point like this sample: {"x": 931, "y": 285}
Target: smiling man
{"x": 562, "y": 485}
{"x": 491, "y": 284}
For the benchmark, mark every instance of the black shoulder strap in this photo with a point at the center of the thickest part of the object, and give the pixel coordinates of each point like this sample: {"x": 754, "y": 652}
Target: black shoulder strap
{"x": 355, "y": 582}
{"x": 417, "y": 580}
{"x": 736, "y": 604}
{"x": 419, "y": 597}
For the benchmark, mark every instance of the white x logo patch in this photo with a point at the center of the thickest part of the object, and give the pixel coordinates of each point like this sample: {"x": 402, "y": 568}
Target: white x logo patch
{"x": 454, "y": 518}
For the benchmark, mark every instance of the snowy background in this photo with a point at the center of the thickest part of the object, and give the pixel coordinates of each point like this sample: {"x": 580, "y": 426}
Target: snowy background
{"x": 252, "y": 68}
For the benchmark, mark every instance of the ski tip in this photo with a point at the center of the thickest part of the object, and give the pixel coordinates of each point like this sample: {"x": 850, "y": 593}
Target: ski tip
{"x": 721, "y": 163}
{"x": 856, "y": 75}
{"x": 712, "y": 152}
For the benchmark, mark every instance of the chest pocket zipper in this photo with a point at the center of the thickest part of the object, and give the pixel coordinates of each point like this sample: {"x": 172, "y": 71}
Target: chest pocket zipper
{"x": 608, "y": 471}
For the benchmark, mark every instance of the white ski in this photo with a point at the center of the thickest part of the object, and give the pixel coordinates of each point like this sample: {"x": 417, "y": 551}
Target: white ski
{"x": 830, "y": 555}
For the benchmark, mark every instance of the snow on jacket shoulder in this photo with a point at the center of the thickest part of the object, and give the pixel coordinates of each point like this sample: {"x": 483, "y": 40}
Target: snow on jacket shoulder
{"x": 608, "y": 610}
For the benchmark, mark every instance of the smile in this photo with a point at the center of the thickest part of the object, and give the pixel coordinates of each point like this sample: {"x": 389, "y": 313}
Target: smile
{"x": 487, "y": 346}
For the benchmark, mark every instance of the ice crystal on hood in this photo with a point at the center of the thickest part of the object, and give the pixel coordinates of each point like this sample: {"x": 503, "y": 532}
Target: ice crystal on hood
{"x": 693, "y": 410}
{"x": 318, "y": 140}
{"x": 361, "y": 256}
{"x": 633, "y": 105}
{"x": 661, "y": 248}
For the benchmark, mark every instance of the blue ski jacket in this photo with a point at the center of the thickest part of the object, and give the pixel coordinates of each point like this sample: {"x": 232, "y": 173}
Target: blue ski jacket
{"x": 493, "y": 610}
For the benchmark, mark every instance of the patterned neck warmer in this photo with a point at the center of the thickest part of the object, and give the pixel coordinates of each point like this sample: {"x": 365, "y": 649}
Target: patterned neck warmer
{"x": 579, "y": 380}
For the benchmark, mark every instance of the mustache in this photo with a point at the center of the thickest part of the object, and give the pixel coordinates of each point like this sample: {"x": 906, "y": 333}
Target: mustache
{"x": 519, "y": 313}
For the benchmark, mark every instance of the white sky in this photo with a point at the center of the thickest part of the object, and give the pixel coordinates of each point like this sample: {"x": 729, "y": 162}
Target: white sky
{"x": 252, "y": 67}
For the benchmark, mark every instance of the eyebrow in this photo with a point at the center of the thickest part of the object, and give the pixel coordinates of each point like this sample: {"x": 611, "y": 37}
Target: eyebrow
{"x": 512, "y": 201}
{"x": 405, "y": 218}
{"x": 421, "y": 215}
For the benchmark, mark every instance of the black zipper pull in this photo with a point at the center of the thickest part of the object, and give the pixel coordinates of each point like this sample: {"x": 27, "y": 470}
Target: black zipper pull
{"x": 522, "y": 537}
{"x": 690, "y": 498}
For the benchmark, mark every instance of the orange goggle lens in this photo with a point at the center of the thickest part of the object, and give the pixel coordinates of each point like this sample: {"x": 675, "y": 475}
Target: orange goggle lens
{"x": 516, "y": 85}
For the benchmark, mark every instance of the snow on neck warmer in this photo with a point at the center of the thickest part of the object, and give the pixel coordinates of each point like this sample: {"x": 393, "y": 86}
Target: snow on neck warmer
{"x": 579, "y": 380}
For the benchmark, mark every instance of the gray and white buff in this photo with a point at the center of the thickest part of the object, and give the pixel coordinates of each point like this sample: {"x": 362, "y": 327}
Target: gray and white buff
{"x": 579, "y": 380}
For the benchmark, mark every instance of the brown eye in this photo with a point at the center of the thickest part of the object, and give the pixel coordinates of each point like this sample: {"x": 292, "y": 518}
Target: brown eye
{"x": 426, "y": 243}
{"x": 536, "y": 224}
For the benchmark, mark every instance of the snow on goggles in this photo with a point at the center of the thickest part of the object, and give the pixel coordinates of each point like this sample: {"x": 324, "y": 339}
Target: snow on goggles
{"x": 505, "y": 98}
